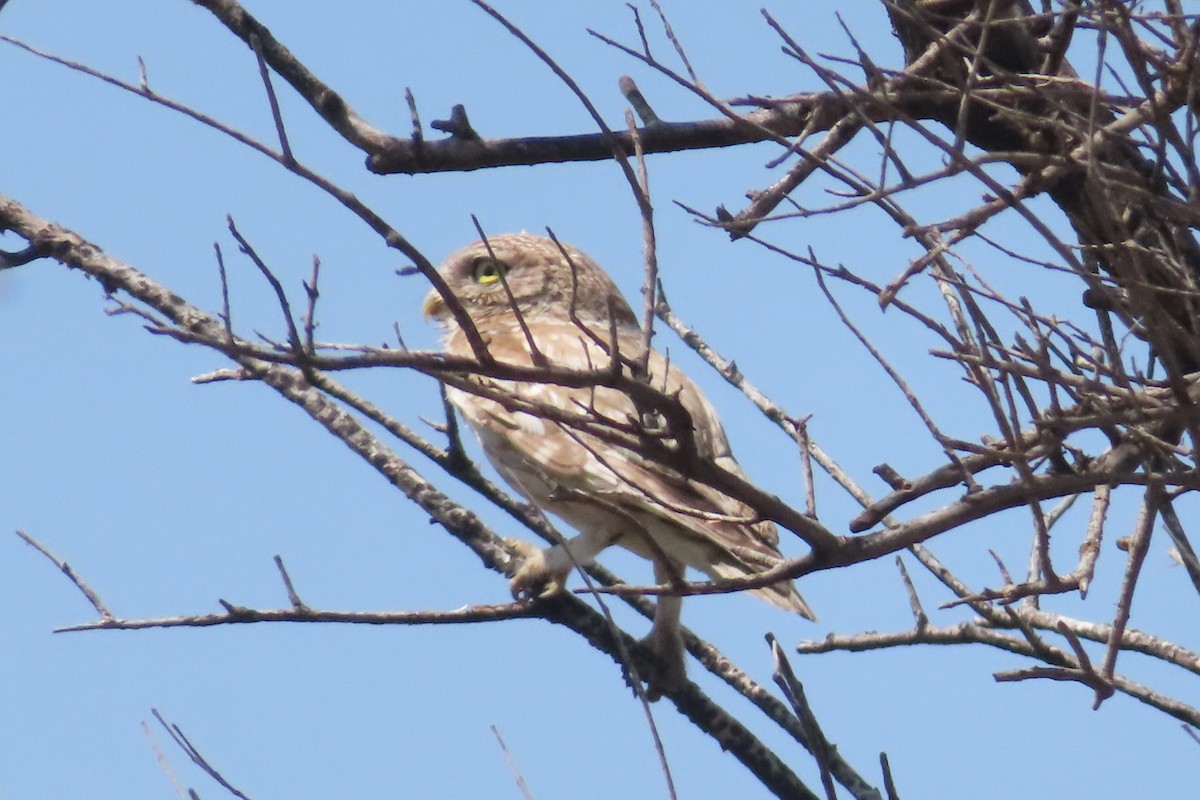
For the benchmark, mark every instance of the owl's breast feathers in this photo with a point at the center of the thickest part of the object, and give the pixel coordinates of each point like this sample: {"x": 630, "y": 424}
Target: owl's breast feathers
{"x": 594, "y": 482}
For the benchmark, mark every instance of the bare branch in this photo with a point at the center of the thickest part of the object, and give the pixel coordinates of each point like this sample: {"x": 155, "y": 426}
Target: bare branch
{"x": 80, "y": 584}
{"x": 512, "y": 764}
{"x": 794, "y": 691}
{"x": 185, "y": 744}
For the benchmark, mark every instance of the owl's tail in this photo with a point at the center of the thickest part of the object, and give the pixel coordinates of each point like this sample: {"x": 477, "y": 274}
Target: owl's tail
{"x": 782, "y": 594}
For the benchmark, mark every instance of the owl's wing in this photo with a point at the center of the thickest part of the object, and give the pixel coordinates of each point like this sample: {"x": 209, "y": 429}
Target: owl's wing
{"x": 571, "y": 472}
{"x": 746, "y": 544}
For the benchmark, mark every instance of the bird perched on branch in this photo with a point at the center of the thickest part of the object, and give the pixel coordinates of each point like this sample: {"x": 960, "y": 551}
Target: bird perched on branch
{"x": 607, "y": 455}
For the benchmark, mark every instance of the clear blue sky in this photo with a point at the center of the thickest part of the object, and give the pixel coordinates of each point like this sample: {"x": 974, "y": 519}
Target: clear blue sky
{"x": 167, "y": 496}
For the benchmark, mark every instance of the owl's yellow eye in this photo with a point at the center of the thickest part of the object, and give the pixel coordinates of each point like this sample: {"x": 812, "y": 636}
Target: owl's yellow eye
{"x": 488, "y": 270}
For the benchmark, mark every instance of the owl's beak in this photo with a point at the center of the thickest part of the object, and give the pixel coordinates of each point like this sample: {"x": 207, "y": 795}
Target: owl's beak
{"x": 434, "y": 306}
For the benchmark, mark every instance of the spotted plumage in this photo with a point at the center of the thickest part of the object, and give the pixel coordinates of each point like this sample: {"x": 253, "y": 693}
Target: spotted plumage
{"x": 517, "y": 288}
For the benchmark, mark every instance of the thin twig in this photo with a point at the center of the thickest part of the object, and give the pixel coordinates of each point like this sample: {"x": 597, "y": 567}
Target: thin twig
{"x": 238, "y": 615}
{"x": 226, "y": 315}
{"x": 297, "y": 603}
{"x": 280, "y": 294}
{"x": 787, "y": 681}
{"x": 310, "y": 315}
{"x": 80, "y": 584}
{"x": 284, "y": 147}
{"x": 164, "y": 762}
{"x": 189, "y": 749}
{"x": 889, "y": 783}
{"x": 914, "y": 602}
{"x": 806, "y": 470}
{"x": 512, "y": 765}
{"x": 1138, "y": 549}
{"x": 649, "y": 251}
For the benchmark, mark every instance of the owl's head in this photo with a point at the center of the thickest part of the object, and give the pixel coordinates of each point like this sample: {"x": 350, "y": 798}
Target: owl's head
{"x": 533, "y": 274}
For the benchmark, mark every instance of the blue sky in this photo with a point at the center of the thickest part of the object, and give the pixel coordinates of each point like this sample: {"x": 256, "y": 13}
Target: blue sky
{"x": 167, "y": 496}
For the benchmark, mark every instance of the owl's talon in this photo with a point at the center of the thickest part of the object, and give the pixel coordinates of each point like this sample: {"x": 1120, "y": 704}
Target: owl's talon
{"x": 536, "y": 578}
{"x": 671, "y": 674}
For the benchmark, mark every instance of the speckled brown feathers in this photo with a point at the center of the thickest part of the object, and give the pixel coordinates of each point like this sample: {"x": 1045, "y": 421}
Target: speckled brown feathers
{"x": 569, "y": 307}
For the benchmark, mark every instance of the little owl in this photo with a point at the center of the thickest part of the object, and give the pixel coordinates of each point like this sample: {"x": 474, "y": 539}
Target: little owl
{"x": 545, "y": 438}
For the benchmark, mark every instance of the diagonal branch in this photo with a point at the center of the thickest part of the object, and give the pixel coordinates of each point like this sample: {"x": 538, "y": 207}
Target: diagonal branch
{"x": 75, "y": 252}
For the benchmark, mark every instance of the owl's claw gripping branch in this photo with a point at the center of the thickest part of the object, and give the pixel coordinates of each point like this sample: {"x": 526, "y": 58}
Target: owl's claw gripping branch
{"x": 536, "y": 578}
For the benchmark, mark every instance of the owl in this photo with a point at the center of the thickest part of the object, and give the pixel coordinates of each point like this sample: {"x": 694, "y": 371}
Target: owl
{"x": 535, "y": 303}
